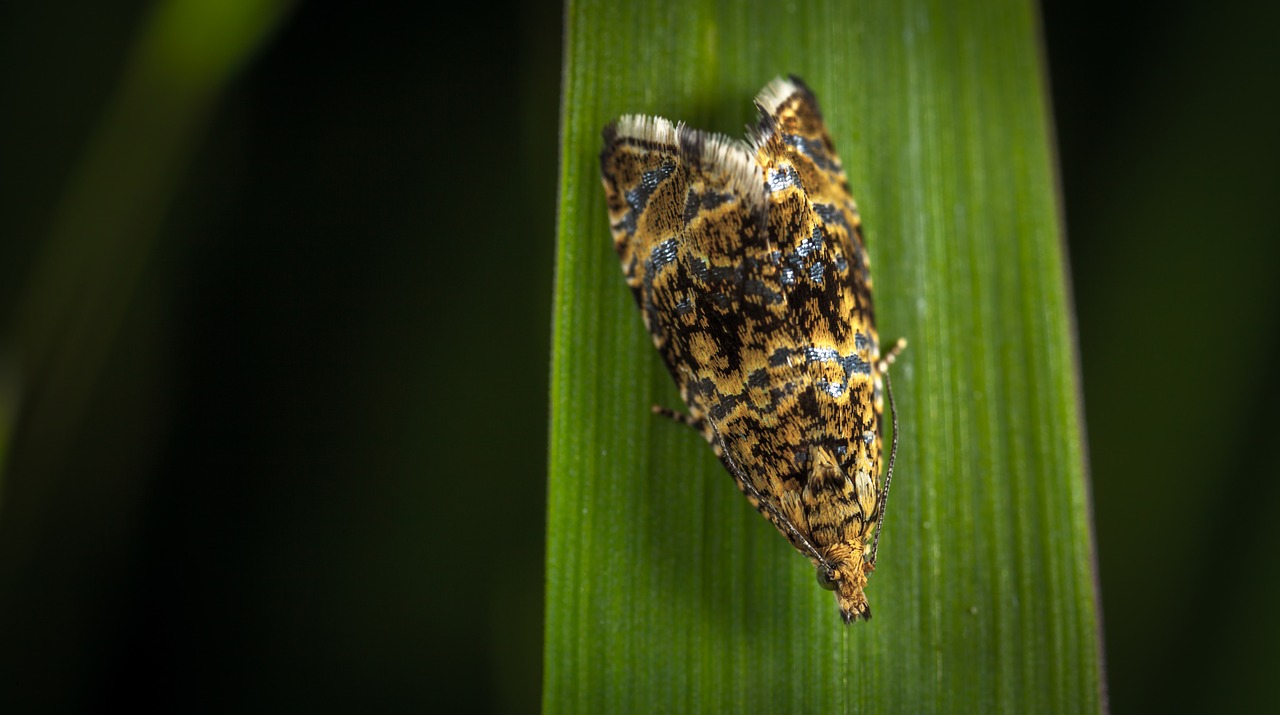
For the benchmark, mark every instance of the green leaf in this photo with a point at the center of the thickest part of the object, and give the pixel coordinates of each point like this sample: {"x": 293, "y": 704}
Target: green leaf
{"x": 666, "y": 591}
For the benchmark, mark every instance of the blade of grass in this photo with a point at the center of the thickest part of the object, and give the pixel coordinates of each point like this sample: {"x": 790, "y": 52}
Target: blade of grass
{"x": 665, "y": 590}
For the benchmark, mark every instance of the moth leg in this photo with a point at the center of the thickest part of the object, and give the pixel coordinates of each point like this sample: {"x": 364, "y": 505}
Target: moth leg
{"x": 887, "y": 359}
{"x": 679, "y": 417}
{"x": 700, "y": 426}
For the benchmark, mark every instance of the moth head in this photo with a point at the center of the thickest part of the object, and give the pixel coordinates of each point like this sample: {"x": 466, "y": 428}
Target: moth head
{"x": 848, "y": 584}
{"x": 846, "y": 576}
{"x": 847, "y": 580}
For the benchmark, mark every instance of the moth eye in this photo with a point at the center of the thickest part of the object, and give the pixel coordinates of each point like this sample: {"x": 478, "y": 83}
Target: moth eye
{"x": 825, "y": 580}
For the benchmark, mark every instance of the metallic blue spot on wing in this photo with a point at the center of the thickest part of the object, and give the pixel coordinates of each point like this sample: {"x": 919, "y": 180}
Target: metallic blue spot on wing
{"x": 821, "y": 354}
{"x": 663, "y": 254}
{"x": 812, "y": 244}
{"x": 831, "y": 215}
{"x": 850, "y": 364}
{"x": 783, "y": 178}
{"x": 854, "y": 365}
{"x": 701, "y": 271}
{"x": 834, "y": 389}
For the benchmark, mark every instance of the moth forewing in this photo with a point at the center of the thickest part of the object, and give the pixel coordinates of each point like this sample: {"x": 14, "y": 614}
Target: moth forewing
{"x": 747, "y": 262}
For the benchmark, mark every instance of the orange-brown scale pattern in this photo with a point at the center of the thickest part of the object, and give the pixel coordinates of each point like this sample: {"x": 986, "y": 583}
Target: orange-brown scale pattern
{"x": 748, "y": 265}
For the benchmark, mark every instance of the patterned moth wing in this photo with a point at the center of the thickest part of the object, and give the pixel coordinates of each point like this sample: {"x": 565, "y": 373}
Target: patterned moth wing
{"x": 746, "y": 260}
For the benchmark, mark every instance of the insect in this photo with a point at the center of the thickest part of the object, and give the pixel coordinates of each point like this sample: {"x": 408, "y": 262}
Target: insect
{"x": 747, "y": 262}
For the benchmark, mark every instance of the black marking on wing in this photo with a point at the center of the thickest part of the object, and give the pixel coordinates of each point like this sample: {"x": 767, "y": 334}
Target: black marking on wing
{"x": 815, "y": 150}
{"x": 638, "y": 197}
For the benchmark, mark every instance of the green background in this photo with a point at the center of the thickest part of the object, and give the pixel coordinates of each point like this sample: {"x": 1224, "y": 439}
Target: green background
{"x": 299, "y": 460}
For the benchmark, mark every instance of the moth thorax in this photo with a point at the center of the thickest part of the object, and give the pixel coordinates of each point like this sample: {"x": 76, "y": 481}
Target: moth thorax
{"x": 826, "y": 479}
{"x": 833, "y": 511}
{"x": 825, "y": 465}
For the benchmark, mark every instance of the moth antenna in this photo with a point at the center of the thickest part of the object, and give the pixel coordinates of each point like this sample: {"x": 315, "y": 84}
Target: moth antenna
{"x": 888, "y": 478}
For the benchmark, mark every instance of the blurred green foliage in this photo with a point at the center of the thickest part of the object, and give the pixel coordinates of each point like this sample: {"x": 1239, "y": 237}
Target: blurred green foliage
{"x": 1170, "y": 155}
{"x": 301, "y": 464}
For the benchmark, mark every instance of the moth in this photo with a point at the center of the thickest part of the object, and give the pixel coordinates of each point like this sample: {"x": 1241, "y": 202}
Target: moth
{"x": 747, "y": 262}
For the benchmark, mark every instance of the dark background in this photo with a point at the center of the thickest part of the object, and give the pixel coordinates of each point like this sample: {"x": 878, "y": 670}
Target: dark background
{"x": 311, "y": 474}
